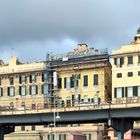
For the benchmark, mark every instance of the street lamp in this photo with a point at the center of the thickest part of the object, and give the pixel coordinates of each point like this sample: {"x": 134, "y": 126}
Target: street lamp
{"x": 56, "y": 117}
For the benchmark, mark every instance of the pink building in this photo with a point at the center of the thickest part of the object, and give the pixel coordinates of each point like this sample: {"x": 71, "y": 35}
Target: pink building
{"x": 76, "y": 136}
{"x": 132, "y": 134}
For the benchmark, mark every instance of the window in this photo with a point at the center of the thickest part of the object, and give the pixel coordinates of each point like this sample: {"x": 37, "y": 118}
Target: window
{"x": 130, "y": 74}
{"x": 138, "y": 90}
{"x": 119, "y": 61}
{"x": 89, "y": 137}
{"x": 67, "y": 82}
{"x": 76, "y": 98}
{"x": 85, "y": 84}
{"x": 11, "y": 80}
{"x": 11, "y": 91}
{"x": 95, "y": 79}
{"x": 44, "y": 77}
{"x": 129, "y": 91}
{"x": 62, "y": 136}
{"x": 33, "y": 127}
{"x": 22, "y": 79}
{"x": 23, "y": 128}
{"x": 130, "y": 60}
{"x": 0, "y": 81}
{"x": 119, "y": 75}
{"x": 139, "y": 59}
{"x": 68, "y": 101}
{"x": 118, "y": 92}
{"x": 1, "y": 92}
{"x": 85, "y": 98}
{"x": 135, "y": 90}
{"x": 33, "y": 90}
{"x": 72, "y": 82}
{"x": 32, "y": 78}
{"x": 45, "y": 89}
{"x": 22, "y": 90}
{"x": 59, "y": 83}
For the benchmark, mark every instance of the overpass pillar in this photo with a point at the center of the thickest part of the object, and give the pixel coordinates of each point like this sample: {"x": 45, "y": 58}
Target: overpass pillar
{"x": 121, "y": 126}
{"x": 1, "y": 132}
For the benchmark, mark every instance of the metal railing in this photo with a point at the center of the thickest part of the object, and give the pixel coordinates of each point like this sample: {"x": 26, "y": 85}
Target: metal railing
{"x": 31, "y": 105}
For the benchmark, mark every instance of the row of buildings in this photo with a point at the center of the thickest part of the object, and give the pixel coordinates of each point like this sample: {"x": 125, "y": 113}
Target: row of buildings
{"x": 82, "y": 76}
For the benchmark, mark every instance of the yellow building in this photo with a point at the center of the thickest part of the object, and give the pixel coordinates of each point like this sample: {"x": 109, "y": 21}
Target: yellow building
{"x": 84, "y": 76}
{"x": 77, "y": 78}
{"x": 126, "y": 70}
{"x": 21, "y": 84}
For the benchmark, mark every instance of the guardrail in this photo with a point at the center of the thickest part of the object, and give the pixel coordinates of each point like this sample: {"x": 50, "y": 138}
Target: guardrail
{"x": 76, "y": 106}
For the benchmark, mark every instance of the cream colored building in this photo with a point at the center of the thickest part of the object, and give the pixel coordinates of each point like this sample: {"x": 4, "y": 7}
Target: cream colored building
{"x": 83, "y": 75}
{"x": 80, "y": 77}
{"x": 126, "y": 70}
{"x": 21, "y": 84}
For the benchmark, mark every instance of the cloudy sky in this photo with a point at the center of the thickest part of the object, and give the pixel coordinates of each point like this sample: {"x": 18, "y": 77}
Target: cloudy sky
{"x": 31, "y": 28}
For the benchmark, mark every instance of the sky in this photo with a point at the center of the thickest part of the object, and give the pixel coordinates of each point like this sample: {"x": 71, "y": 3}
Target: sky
{"x": 31, "y": 28}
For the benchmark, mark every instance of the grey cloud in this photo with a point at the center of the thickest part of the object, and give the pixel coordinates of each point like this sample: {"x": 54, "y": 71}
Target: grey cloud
{"x": 100, "y": 23}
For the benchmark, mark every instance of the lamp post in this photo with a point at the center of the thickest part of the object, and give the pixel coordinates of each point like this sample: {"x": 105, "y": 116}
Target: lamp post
{"x": 56, "y": 117}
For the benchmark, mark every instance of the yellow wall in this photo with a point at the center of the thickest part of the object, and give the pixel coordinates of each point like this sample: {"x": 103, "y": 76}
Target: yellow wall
{"x": 104, "y": 74}
{"x": 132, "y": 49}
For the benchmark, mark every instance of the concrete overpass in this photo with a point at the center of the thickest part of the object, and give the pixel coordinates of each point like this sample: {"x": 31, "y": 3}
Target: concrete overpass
{"x": 119, "y": 116}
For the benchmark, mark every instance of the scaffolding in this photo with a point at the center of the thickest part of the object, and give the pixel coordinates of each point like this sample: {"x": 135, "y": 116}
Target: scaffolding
{"x": 49, "y": 80}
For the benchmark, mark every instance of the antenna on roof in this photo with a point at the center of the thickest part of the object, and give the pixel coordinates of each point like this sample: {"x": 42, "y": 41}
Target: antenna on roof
{"x": 13, "y": 50}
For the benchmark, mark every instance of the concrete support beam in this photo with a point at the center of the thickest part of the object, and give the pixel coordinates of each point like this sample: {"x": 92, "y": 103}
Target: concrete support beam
{"x": 121, "y": 126}
{"x": 1, "y": 132}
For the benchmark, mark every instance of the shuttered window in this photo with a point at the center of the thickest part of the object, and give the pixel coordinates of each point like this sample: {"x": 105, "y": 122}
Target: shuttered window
{"x": 22, "y": 90}
{"x": 129, "y": 92}
{"x": 1, "y": 92}
{"x": 130, "y": 60}
{"x": 95, "y": 78}
{"x": 85, "y": 84}
{"x": 33, "y": 90}
{"x": 119, "y": 92}
{"x": 45, "y": 89}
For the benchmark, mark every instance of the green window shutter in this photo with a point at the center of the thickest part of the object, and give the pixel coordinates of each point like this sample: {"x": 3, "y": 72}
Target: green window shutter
{"x": 77, "y": 83}
{"x": 2, "y": 92}
{"x": 20, "y": 90}
{"x": 139, "y": 59}
{"x": 30, "y": 90}
{"x": 135, "y": 91}
{"x": 8, "y": 91}
{"x": 42, "y": 89}
{"x": 95, "y": 79}
{"x": 79, "y": 97}
{"x": 122, "y": 91}
{"x": 65, "y": 80}
{"x": 115, "y": 61}
{"x": 130, "y": 59}
{"x": 115, "y": 92}
{"x": 42, "y": 77}
{"x": 125, "y": 91}
{"x": 59, "y": 83}
{"x": 85, "y": 80}
{"x": 121, "y": 61}
{"x": 71, "y": 82}
{"x": 36, "y": 89}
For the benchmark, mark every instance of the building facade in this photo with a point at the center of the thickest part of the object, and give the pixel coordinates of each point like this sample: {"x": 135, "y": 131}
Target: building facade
{"x": 126, "y": 70}
{"x": 21, "y": 84}
{"x": 80, "y": 77}
{"x": 83, "y": 76}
